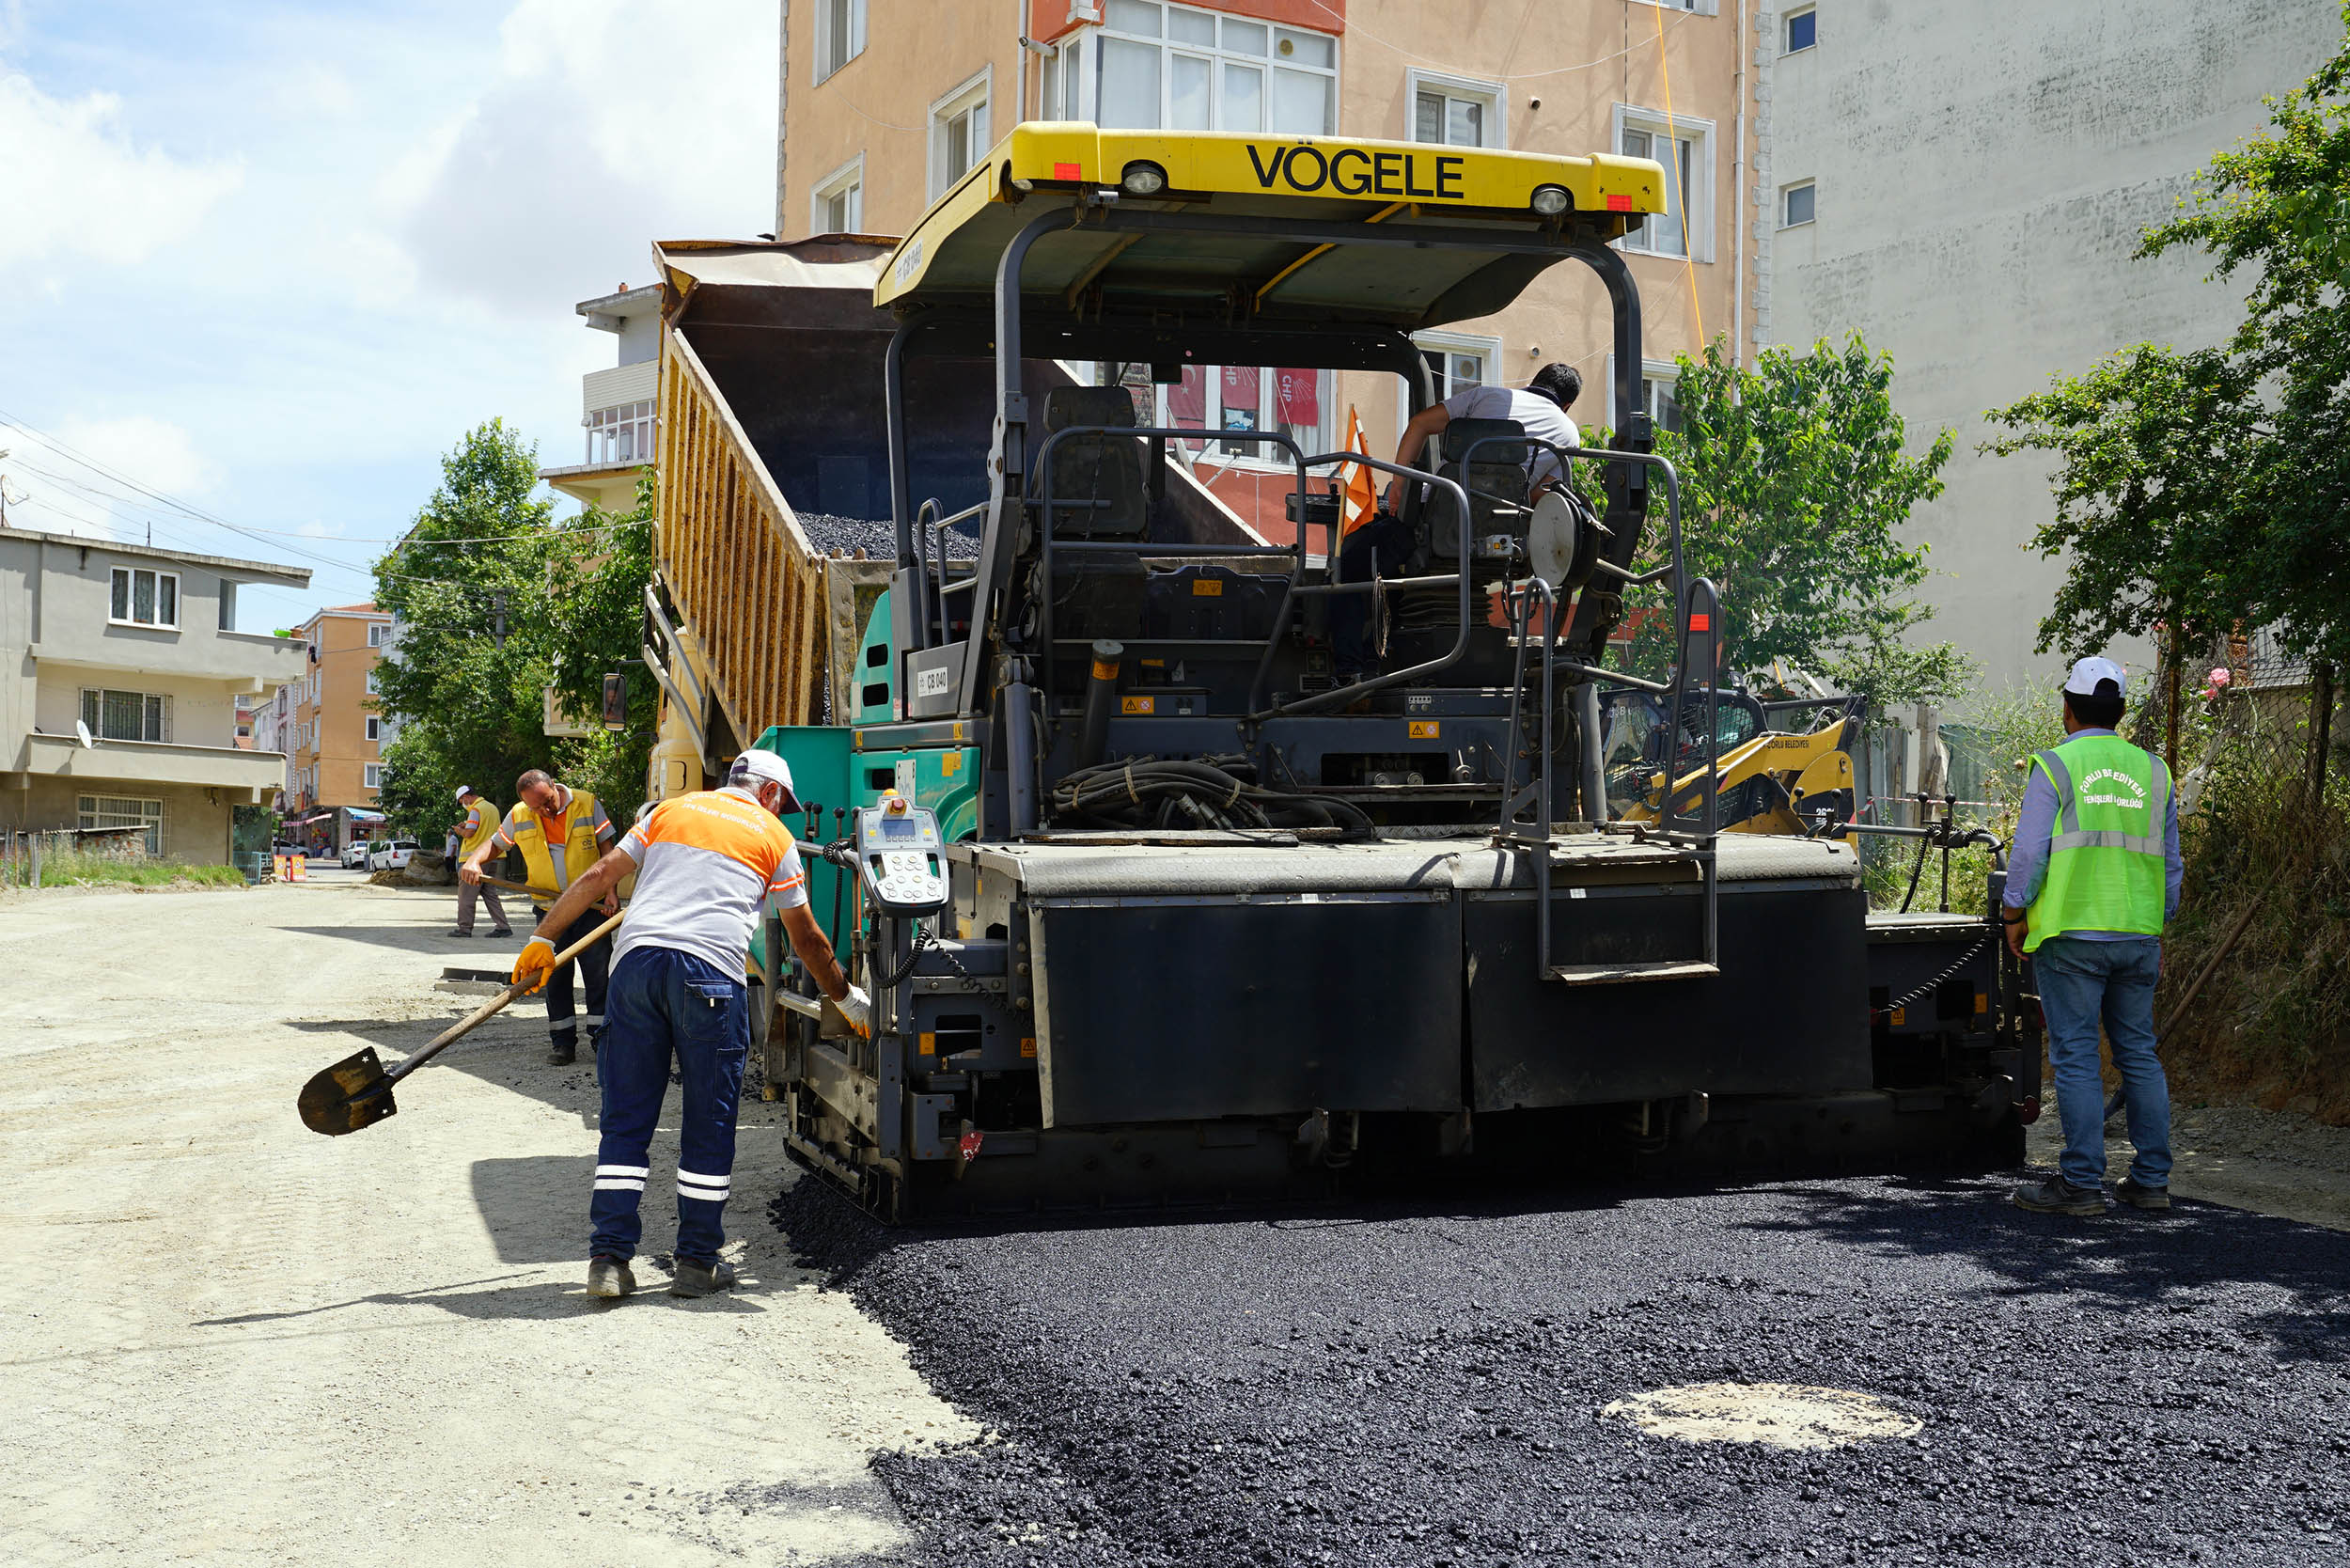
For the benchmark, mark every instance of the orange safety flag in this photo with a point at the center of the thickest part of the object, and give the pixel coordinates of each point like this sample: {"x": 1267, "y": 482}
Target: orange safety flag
{"x": 1358, "y": 498}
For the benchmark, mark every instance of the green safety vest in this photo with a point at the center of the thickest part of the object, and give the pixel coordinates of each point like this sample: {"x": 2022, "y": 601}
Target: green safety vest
{"x": 2107, "y": 862}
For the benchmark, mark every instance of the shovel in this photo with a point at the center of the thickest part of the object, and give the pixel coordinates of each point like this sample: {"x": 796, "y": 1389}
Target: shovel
{"x": 356, "y": 1091}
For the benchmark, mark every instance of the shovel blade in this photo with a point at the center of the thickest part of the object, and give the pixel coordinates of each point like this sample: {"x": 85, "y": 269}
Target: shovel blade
{"x": 351, "y": 1094}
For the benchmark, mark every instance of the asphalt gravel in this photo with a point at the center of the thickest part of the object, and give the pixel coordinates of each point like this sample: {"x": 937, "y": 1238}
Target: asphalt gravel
{"x": 1422, "y": 1384}
{"x": 846, "y": 536}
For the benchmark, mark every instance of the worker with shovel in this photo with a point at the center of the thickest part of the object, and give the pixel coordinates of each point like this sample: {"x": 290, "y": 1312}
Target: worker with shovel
{"x": 480, "y": 825}
{"x": 2093, "y": 880}
{"x": 705, "y": 864}
{"x": 560, "y": 832}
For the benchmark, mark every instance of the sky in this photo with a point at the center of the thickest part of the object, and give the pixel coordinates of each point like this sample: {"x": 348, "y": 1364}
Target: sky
{"x": 262, "y": 264}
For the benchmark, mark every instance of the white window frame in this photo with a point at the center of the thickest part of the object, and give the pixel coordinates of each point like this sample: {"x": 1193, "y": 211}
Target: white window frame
{"x": 1786, "y": 26}
{"x": 847, "y": 180}
{"x": 154, "y": 713}
{"x": 1252, "y": 454}
{"x": 623, "y": 425}
{"x": 130, "y": 597}
{"x": 1662, "y": 373}
{"x": 1786, "y": 194}
{"x": 975, "y": 96}
{"x": 826, "y": 65}
{"x": 1494, "y": 97}
{"x": 1700, "y": 134}
{"x": 1218, "y": 55}
{"x": 379, "y": 632}
{"x": 87, "y": 814}
{"x": 375, "y": 728}
{"x": 1450, "y": 343}
{"x": 1695, "y": 8}
{"x": 371, "y": 775}
{"x": 227, "y": 603}
{"x": 375, "y": 683}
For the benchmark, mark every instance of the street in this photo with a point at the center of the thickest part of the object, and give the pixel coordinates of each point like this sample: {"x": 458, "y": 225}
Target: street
{"x": 232, "y": 1341}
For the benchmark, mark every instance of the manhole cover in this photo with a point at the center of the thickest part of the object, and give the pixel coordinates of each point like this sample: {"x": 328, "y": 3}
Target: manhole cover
{"x": 1781, "y": 1415}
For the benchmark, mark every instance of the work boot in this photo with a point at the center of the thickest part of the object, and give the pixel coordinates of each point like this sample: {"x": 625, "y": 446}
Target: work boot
{"x": 461, "y": 933}
{"x": 503, "y": 931}
{"x": 2057, "y": 1196}
{"x": 2151, "y": 1199}
{"x": 563, "y": 1050}
{"x": 693, "y": 1279}
{"x": 609, "y": 1277}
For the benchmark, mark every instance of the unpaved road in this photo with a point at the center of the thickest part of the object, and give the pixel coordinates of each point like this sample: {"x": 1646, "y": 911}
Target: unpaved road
{"x": 226, "y": 1339}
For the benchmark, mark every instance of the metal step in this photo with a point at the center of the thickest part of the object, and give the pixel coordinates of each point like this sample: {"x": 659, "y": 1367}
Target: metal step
{"x": 1612, "y": 974}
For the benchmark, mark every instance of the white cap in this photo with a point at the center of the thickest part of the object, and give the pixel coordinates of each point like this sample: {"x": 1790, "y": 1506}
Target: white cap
{"x": 464, "y": 789}
{"x": 756, "y": 766}
{"x": 2092, "y": 673}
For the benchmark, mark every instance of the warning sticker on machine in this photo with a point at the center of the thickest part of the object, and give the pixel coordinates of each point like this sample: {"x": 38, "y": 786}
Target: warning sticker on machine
{"x": 1207, "y": 587}
{"x": 1137, "y": 704}
{"x": 1423, "y": 730}
{"x": 1027, "y": 1045}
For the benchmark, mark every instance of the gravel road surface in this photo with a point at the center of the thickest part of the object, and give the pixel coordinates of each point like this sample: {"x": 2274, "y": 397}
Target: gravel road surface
{"x": 226, "y": 1340}
{"x": 1424, "y": 1385}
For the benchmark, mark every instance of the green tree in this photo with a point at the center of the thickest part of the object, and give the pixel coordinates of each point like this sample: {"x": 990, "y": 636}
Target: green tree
{"x": 1796, "y": 484}
{"x": 469, "y": 587}
{"x": 593, "y": 626}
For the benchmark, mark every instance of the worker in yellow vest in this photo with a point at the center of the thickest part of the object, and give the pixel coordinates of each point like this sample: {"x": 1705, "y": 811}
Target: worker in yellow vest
{"x": 480, "y": 822}
{"x": 562, "y": 833}
{"x": 2094, "y": 879}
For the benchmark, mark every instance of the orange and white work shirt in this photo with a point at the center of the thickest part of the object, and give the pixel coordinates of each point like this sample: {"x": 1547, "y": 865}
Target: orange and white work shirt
{"x": 705, "y": 862}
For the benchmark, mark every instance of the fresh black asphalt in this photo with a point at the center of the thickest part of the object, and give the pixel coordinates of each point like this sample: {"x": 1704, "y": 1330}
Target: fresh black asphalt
{"x": 1421, "y": 1385}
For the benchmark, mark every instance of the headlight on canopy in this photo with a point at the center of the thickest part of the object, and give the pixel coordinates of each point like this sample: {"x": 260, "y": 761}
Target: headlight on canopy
{"x": 1551, "y": 200}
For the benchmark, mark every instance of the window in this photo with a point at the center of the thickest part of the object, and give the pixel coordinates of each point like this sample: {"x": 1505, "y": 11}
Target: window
{"x": 1658, "y": 386}
{"x": 1175, "y": 68}
{"x": 126, "y": 716}
{"x": 1798, "y": 205}
{"x": 958, "y": 133}
{"x": 375, "y": 730}
{"x": 143, "y": 598}
{"x": 1701, "y": 7}
{"x": 839, "y": 34}
{"x": 837, "y": 205}
{"x": 116, "y": 812}
{"x": 378, "y": 634}
{"x": 227, "y": 605}
{"x": 375, "y": 683}
{"x": 1294, "y": 401}
{"x": 1685, "y": 150}
{"x": 373, "y": 776}
{"x": 1803, "y": 30}
{"x": 1457, "y": 113}
{"x": 620, "y": 434}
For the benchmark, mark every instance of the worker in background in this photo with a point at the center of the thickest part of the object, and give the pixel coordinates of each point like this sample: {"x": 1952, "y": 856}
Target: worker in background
{"x": 561, "y": 832}
{"x": 481, "y": 821}
{"x": 705, "y": 864}
{"x": 2094, "y": 879}
{"x": 1540, "y": 408}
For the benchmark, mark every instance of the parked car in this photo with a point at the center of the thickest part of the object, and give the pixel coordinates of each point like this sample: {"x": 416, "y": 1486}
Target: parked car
{"x": 386, "y": 855}
{"x": 356, "y": 855}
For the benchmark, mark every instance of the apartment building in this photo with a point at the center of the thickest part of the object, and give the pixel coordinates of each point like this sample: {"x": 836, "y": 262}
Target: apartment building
{"x": 1666, "y": 81}
{"x": 335, "y": 747}
{"x": 121, "y": 679}
{"x": 616, "y": 402}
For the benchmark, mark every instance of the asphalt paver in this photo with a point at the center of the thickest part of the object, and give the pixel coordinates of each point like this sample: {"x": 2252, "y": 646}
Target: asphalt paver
{"x": 1425, "y": 1383}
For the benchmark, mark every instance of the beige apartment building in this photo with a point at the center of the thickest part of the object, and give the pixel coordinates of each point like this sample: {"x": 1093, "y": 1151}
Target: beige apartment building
{"x": 885, "y": 103}
{"x": 122, "y": 682}
{"x": 335, "y": 748}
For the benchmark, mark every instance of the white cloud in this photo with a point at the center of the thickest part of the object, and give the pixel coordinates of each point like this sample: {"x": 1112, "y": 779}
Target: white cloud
{"x": 155, "y": 452}
{"x": 73, "y": 184}
{"x": 609, "y": 125}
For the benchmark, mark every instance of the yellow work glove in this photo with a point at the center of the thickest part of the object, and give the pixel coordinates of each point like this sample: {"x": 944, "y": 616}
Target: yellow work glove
{"x": 536, "y": 964}
{"x": 857, "y": 1008}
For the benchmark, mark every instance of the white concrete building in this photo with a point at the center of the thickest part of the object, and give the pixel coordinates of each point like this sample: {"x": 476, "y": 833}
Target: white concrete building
{"x": 617, "y": 403}
{"x": 1965, "y": 185}
{"x": 134, "y": 645}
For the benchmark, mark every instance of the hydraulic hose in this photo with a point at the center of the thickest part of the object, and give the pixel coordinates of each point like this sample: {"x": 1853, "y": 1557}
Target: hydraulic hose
{"x": 1151, "y": 793}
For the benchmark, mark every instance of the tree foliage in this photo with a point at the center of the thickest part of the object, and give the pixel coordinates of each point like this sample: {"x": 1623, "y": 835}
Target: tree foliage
{"x": 496, "y": 602}
{"x": 1795, "y": 486}
{"x": 2211, "y": 489}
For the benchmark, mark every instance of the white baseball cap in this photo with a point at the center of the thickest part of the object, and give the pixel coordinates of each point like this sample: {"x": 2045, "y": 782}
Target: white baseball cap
{"x": 464, "y": 789}
{"x": 2092, "y": 673}
{"x": 756, "y": 766}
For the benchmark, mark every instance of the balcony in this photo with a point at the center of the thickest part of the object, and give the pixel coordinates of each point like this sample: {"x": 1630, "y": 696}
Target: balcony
{"x": 257, "y": 773}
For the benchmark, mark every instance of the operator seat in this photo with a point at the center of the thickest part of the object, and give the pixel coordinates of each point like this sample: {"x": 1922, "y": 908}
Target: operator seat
{"x": 1102, "y": 474}
{"x": 1495, "y": 482}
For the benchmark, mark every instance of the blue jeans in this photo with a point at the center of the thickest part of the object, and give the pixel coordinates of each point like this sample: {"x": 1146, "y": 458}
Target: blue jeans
{"x": 663, "y": 1004}
{"x": 2081, "y": 984}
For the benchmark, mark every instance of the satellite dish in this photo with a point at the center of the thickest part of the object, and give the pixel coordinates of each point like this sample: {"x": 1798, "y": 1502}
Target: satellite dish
{"x": 81, "y": 732}
{"x": 1550, "y": 538}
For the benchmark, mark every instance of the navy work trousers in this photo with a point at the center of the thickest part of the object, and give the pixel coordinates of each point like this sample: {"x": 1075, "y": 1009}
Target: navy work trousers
{"x": 593, "y": 964}
{"x": 664, "y": 1005}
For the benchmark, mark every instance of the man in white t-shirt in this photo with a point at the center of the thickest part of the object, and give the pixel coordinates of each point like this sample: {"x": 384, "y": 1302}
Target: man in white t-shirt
{"x": 1540, "y": 408}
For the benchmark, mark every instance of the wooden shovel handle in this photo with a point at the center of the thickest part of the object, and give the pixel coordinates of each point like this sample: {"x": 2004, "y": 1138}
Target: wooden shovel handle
{"x": 466, "y": 1026}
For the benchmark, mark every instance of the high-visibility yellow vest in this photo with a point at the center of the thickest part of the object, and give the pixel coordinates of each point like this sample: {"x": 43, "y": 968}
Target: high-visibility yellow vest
{"x": 575, "y": 831}
{"x": 485, "y": 825}
{"x": 2106, "y": 858}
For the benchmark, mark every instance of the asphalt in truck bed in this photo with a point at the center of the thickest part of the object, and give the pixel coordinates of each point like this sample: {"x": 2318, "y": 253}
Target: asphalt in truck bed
{"x": 1423, "y": 1384}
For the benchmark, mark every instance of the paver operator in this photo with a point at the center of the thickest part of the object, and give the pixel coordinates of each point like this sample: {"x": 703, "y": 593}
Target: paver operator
{"x": 705, "y": 864}
{"x": 1539, "y": 407}
{"x": 2093, "y": 880}
{"x": 480, "y": 825}
{"x": 560, "y": 831}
